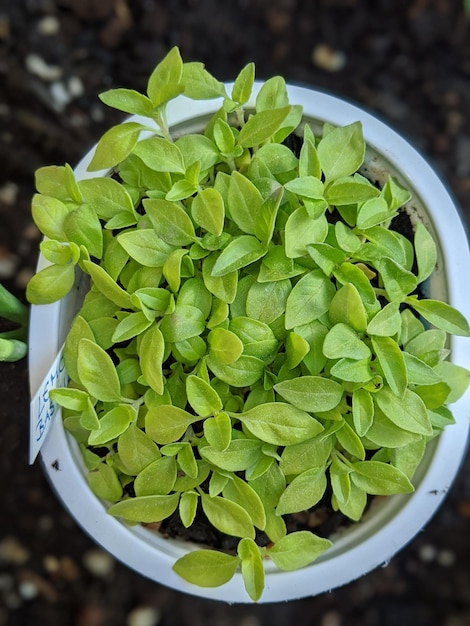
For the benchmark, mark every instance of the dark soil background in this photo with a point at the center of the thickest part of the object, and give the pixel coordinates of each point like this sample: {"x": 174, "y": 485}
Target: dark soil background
{"x": 409, "y": 61}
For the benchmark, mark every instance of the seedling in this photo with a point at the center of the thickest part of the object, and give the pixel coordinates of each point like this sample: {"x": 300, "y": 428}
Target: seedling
{"x": 254, "y": 336}
{"x": 13, "y": 341}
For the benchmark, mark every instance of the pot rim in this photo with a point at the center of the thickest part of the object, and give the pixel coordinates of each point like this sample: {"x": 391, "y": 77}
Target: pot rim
{"x": 394, "y": 521}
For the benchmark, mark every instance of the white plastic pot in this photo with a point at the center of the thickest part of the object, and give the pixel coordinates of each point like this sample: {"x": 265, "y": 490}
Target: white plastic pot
{"x": 391, "y": 522}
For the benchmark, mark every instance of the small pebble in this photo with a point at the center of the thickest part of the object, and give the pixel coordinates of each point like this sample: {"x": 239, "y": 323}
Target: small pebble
{"x": 48, "y": 25}
{"x": 37, "y": 66}
{"x": 75, "y": 86}
{"x": 331, "y": 618}
{"x": 326, "y": 58}
{"x": 99, "y": 563}
{"x": 12, "y": 551}
{"x": 28, "y": 590}
{"x": 9, "y": 193}
{"x": 60, "y": 95}
{"x": 446, "y": 558}
{"x": 144, "y": 616}
{"x": 427, "y": 553}
{"x": 51, "y": 564}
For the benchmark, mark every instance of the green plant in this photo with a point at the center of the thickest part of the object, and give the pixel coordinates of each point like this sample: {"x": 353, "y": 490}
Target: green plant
{"x": 13, "y": 342}
{"x": 253, "y": 335}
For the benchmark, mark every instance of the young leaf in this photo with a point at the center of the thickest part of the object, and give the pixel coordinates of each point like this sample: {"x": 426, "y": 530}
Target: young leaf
{"x": 145, "y": 509}
{"x": 104, "y": 483}
{"x": 311, "y": 393}
{"x": 309, "y": 299}
{"x": 301, "y": 231}
{"x": 225, "y": 346}
{"x": 97, "y": 372}
{"x": 280, "y": 423}
{"x": 239, "y": 491}
{"x": 441, "y": 315}
{"x": 222, "y": 287}
{"x": 297, "y": 550}
{"x": 115, "y": 145}
{"x": 160, "y": 155}
{"x": 243, "y": 85}
{"x": 392, "y": 362}
{"x": 127, "y": 100}
{"x": 426, "y": 252}
{"x": 343, "y": 342}
{"x": 243, "y": 372}
{"x": 257, "y": 338}
{"x": 49, "y": 215}
{"x": 237, "y": 457}
{"x": 380, "y": 479}
{"x": 203, "y": 398}
{"x": 341, "y": 151}
{"x": 218, "y": 431}
{"x": 50, "y": 284}
{"x": 171, "y": 222}
{"x": 112, "y": 424}
{"x": 303, "y": 492}
{"x": 408, "y": 412}
{"x": 136, "y": 450}
{"x": 166, "y": 423}
{"x": 252, "y": 568}
{"x": 227, "y": 516}
{"x": 362, "y": 411}
{"x": 207, "y": 568}
{"x": 243, "y": 202}
{"x": 240, "y": 252}
{"x": 387, "y": 322}
{"x": 157, "y": 478}
{"x": 107, "y": 286}
{"x": 199, "y": 84}
{"x": 266, "y": 302}
{"x": 168, "y": 72}
{"x": 261, "y": 126}
{"x": 151, "y": 352}
{"x": 207, "y": 210}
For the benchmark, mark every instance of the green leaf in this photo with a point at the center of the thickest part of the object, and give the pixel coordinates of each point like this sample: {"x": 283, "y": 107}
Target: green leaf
{"x": 456, "y": 377}
{"x": 261, "y": 126}
{"x": 168, "y": 72}
{"x": 307, "y": 187}
{"x": 160, "y": 155}
{"x": 362, "y": 411}
{"x": 372, "y": 213}
{"x": 398, "y": 281}
{"x": 97, "y": 372}
{"x": 257, "y": 338}
{"x": 347, "y": 307}
{"x": 227, "y": 516}
{"x": 222, "y": 287}
{"x": 301, "y": 231}
{"x": 342, "y": 151}
{"x": 166, "y": 423}
{"x": 157, "y": 478}
{"x": 49, "y": 215}
{"x": 252, "y": 568}
{"x": 343, "y": 342}
{"x": 387, "y": 322}
{"x": 350, "y": 441}
{"x": 203, "y": 398}
{"x": 206, "y": 568}
{"x": 115, "y": 145}
{"x": 50, "y": 284}
{"x": 104, "y": 483}
{"x": 218, "y": 431}
{"x": 130, "y": 325}
{"x": 83, "y": 227}
{"x": 243, "y": 85}
{"x": 225, "y": 346}
{"x": 350, "y": 190}
{"x": 136, "y": 450}
{"x": 171, "y": 222}
{"x": 309, "y": 299}
{"x": 426, "y": 252}
{"x": 297, "y": 549}
{"x": 107, "y": 286}
{"x": 296, "y": 349}
{"x": 441, "y": 315}
{"x": 207, "y": 210}
{"x": 280, "y": 423}
{"x": 243, "y": 202}
{"x": 380, "y": 479}
{"x": 145, "y": 509}
{"x": 239, "y": 253}
{"x": 240, "y": 492}
{"x": 266, "y": 302}
{"x": 188, "y": 507}
{"x": 112, "y": 424}
{"x": 185, "y": 322}
{"x": 237, "y": 457}
{"x": 326, "y": 257}
{"x": 199, "y": 84}
{"x": 243, "y": 372}
{"x": 392, "y": 364}
{"x": 312, "y": 453}
{"x": 303, "y": 492}
{"x": 311, "y": 393}
{"x": 127, "y": 100}
{"x": 145, "y": 247}
{"x": 408, "y": 412}
{"x": 151, "y": 353}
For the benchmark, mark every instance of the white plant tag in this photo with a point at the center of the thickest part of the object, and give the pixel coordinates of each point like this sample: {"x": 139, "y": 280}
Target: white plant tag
{"x": 42, "y": 409}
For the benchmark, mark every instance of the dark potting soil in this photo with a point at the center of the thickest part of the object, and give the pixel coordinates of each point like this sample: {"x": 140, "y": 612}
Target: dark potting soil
{"x": 409, "y": 62}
